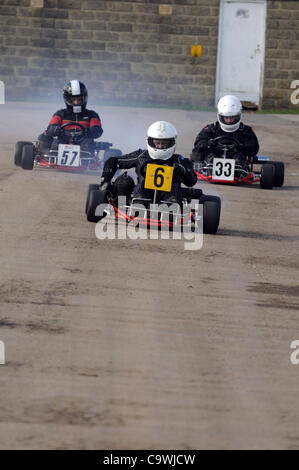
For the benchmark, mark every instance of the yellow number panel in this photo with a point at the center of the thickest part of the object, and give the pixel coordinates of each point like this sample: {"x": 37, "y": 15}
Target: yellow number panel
{"x": 158, "y": 177}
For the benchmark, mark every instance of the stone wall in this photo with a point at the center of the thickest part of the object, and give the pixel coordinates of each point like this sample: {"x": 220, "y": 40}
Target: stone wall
{"x": 282, "y": 53}
{"x": 128, "y": 52}
{"x": 124, "y": 50}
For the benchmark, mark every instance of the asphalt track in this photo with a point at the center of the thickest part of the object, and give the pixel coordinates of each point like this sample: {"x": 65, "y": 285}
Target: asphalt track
{"x": 123, "y": 344}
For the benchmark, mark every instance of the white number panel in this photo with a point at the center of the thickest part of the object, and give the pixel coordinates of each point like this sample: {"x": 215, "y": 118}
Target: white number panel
{"x": 223, "y": 169}
{"x": 68, "y": 155}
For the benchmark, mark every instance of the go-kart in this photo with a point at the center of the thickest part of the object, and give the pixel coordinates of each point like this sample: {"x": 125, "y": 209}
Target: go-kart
{"x": 223, "y": 165}
{"x": 146, "y": 212}
{"x": 68, "y": 156}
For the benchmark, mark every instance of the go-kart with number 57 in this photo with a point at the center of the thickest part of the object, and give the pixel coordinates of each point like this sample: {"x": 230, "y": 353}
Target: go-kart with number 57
{"x": 68, "y": 156}
{"x": 69, "y": 140}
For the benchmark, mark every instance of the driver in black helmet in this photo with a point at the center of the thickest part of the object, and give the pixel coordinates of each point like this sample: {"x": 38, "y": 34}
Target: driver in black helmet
{"x": 75, "y": 96}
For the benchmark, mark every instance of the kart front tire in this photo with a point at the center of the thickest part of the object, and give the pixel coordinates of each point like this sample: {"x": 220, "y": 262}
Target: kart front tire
{"x": 211, "y": 216}
{"x": 18, "y": 152}
{"x": 267, "y": 180}
{"x": 28, "y": 154}
{"x": 91, "y": 187}
{"x": 96, "y": 197}
{"x": 279, "y": 174}
{"x": 207, "y": 197}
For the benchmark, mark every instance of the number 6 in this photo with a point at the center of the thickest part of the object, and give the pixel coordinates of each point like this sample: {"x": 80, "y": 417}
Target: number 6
{"x": 160, "y": 177}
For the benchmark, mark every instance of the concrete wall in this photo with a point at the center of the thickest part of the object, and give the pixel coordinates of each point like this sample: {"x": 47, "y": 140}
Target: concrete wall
{"x": 127, "y": 52}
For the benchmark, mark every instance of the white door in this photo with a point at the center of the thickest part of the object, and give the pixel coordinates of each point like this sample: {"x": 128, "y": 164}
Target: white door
{"x": 241, "y": 49}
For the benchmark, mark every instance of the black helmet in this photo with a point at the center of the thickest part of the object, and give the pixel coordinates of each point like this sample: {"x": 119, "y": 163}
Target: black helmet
{"x": 75, "y": 89}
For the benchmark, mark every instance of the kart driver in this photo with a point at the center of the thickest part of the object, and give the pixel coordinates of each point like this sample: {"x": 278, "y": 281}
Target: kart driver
{"x": 161, "y": 144}
{"x": 75, "y": 96}
{"x": 229, "y": 124}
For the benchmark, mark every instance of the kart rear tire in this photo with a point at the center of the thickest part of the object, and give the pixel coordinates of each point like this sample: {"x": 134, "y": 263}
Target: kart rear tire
{"x": 91, "y": 187}
{"x": 96, "y": 197}
{"x": 207, "y": 197}
{"x": 267, "y": 180}
{"x": 18, "y": 151}
{"x": 111, "y": 153}
{"x": 28, "y": 154}
{"x": 279, "y": 174}
{"x": 211, "y": 217}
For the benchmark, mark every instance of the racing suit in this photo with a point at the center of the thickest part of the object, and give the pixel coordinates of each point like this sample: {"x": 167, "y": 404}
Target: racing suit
{"x": 183, "y": 173}
{"x": 89, "y": 119}
{"x": 203, "y": 148}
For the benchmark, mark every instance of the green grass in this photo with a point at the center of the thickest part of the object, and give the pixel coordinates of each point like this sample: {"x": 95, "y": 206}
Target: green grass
{"x": 278, "y": 111}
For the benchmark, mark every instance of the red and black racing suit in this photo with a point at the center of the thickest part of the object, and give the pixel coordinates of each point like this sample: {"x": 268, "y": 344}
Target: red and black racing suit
{"x": 183, "y": 173}
{"x": 203, "y": 148}
{"x": 89, "y": 119}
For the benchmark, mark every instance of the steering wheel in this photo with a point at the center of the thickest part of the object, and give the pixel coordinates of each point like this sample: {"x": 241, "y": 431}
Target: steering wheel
{"x": 223, "y": 142}
{"x": 76, "y": 135}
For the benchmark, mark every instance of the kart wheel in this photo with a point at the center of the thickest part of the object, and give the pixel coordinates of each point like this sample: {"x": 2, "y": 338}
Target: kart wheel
{"x": 91, "y": 187}
{"x": 279, "y": 174}
{"x": 207, "y": 197}
{"x": 28, "y": 155}
{"x": 111, "y": 153}
{"x": 96, "y": 197}
{"x": 18, "y": 152}
{"x": 211, "y": 216}
{"x": 267, "y": 180}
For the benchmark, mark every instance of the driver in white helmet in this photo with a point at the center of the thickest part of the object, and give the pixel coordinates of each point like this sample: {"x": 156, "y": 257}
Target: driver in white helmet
{"x": 229, "y": 125}
{"x": 161, "y": 144}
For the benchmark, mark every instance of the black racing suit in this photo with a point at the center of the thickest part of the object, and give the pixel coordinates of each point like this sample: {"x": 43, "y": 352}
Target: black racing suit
{"x": 183, "y": 173}
{"x": 244, "y": 135}
{"x": 89, "y": 119}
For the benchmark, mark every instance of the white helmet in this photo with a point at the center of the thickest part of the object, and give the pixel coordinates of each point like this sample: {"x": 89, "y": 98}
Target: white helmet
{"x": 161, "y": 130}
{"x": 229, "y": 106}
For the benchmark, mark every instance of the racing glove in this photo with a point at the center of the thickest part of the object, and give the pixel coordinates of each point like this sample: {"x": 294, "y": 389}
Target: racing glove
{"x": 57, "y": 131}
{"x": 179, "y": 169}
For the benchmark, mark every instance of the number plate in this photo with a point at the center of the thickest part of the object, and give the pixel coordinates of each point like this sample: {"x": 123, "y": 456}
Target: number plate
{"x": 158, "y": 177}
{"x": 223, "y": 169}
{"x": 68, "y": 155}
